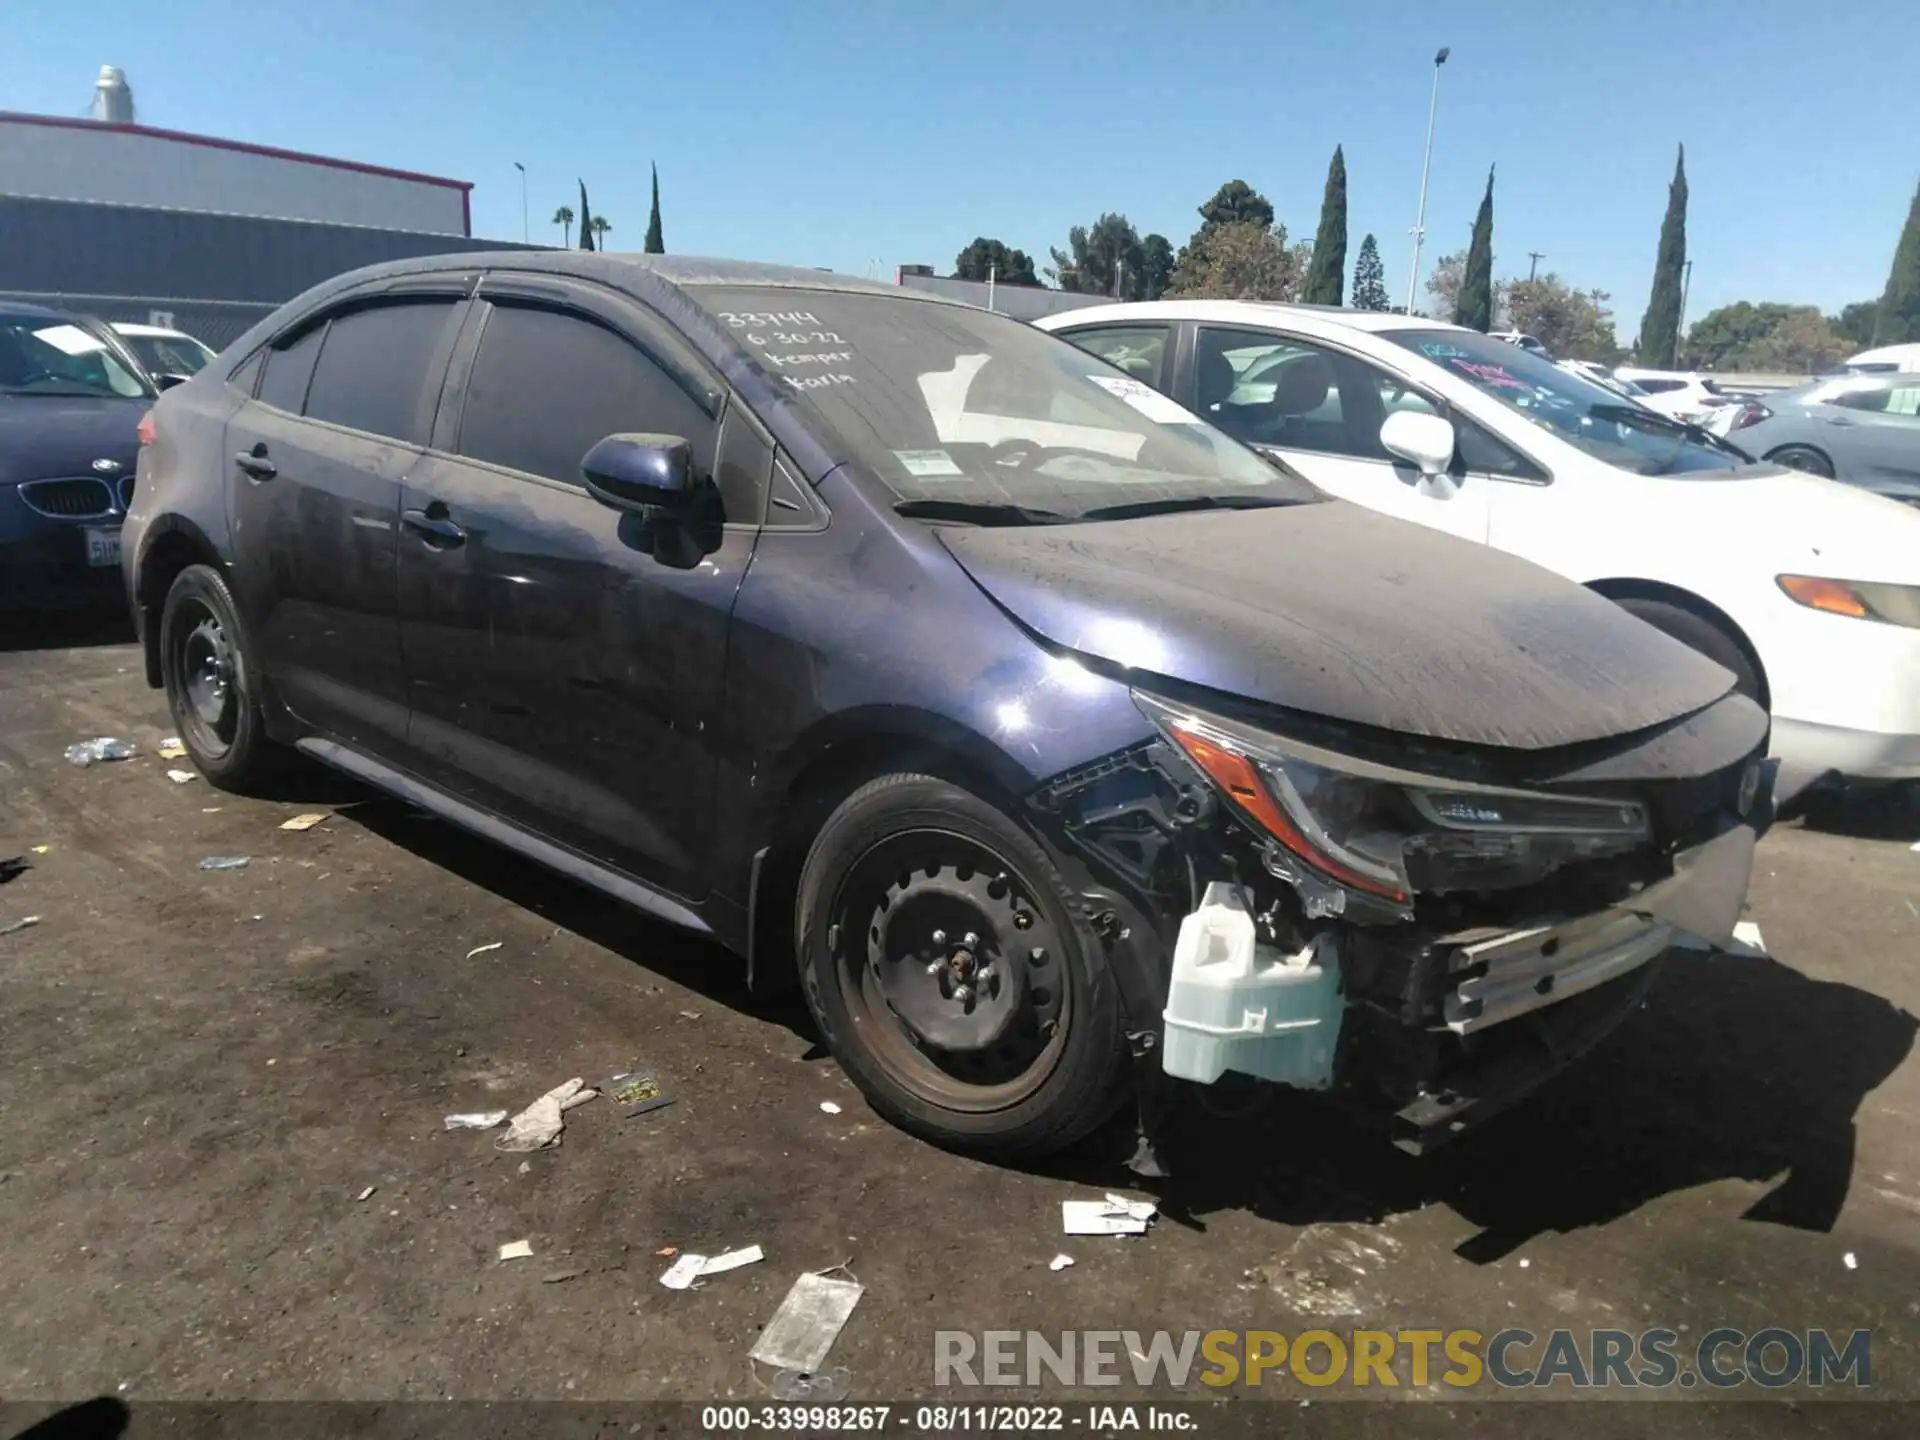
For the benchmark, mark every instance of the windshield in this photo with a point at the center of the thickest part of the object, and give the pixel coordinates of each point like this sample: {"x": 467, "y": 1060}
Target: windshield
{"x": 42, "y": 356}
{"x": 962, "y": 408}
{"x": 168, "y": 354}
{"x": 1592, "y": 417}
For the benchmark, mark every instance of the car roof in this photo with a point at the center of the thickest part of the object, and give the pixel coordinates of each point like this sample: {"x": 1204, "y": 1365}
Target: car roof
{"x": 127, "y": 327}
{"x": 38, "y": 312}
{"x": 1247, "y": 312}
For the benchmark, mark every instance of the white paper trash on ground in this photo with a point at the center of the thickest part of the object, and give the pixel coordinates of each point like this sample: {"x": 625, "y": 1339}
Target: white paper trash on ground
{"x": 1746, "y": 940}
{"x": 517, "y": 1250}
{"x": 474, "y": 1120}
{"x": 807, "y": 1323}
{"x": 688, "y": 1268}
{"x": 539, "y": 1125}
{"x": 1115, "y": 1215}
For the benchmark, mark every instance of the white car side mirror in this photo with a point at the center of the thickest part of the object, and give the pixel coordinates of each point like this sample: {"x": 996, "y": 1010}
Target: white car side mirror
{"x": 1425, "y": 441}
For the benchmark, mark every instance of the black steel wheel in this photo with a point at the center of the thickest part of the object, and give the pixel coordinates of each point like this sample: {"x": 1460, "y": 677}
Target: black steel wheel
{"x": 209, "y": 684}
{"x": 1803, "y": 457}
{"x": 946, "y": 963}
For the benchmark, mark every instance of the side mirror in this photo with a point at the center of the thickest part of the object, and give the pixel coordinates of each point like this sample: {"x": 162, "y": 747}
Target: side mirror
{"x": 169, "y": 380}
{"x": 1424, "y": 441}
{"x": 639, "y": 472}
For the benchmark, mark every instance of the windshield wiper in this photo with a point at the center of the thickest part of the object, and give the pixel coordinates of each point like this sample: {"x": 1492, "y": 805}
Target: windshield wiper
{"x": 1653, "y": 420}
{"x": 1133, "y": 509}
{"x": 979, "y": 512}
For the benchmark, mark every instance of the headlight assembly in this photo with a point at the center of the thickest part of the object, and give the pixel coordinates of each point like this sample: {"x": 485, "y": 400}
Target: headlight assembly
{"x": 1390, "y": 833}
{"x": 1860, "y": 599}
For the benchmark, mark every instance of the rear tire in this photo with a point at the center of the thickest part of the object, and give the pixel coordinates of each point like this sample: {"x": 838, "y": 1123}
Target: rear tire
{"x": 1803, "y": 457}
{"x": 1698, "y": 633}
{"x": 210, "y": 683}
{"x": 953, "y": 974}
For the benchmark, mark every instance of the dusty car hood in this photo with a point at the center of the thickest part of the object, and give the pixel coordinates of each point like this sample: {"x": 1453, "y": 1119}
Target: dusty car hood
{"x": 1335, "y": 611}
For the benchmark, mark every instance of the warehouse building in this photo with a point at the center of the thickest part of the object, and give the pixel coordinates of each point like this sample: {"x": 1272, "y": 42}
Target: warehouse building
{"x": 129, "y": 222}
{"x": 1022, "y": 302}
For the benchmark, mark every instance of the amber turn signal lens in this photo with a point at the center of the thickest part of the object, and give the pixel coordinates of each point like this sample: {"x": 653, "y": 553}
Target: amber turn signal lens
{"x": 1828, "y": 595}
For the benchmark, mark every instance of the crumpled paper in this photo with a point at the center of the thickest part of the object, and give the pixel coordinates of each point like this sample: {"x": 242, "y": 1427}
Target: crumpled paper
{"x": 540, "y": 1124}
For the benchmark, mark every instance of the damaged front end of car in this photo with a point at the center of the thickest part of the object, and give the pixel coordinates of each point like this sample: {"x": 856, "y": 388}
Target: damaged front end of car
{"x": 1426, "y": 931}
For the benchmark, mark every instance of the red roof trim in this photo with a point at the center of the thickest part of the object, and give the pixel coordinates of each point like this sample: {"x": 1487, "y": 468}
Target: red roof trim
{"x": 61, "y": 122}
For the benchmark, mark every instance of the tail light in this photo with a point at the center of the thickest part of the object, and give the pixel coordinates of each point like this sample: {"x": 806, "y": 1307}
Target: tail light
{"x": 1750, "y": 414}
{"x": 146, "y": 430}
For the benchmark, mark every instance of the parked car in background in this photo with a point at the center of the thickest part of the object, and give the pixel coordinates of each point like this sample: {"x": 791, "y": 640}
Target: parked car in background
{"x": 1888, "y": 358}
{"x": 1526, "y": 342}
{"x": 163, "y": 353}
{"x": 1808, "y": 591}
{"x": 1602, "y": 375}
{"x": 1684, "y": 395}
{"x": 70, "y": 409}
{"x": 1863, "y": 429}
{"x": 899, "y": 644}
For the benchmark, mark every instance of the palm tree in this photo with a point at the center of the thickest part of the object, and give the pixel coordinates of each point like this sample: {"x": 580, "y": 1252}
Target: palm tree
{"x": 563, "y": 217}
{"x": 600, "y": 229}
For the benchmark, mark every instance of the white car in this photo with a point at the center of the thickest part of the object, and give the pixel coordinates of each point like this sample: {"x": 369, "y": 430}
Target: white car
{"x": 1807, "y": 590}
{"x": 1679, "y": 393}
{"x": 162, "y": 351}
{"x": 1895, "y": 358}
{"x": 1530, "y": 343}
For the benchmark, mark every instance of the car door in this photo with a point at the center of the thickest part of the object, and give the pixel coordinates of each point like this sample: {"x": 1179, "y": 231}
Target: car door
{"x": 1320, "y": 409}
{"x": 1876, "y": 435}
{"x": 564, "y": 658}
{"x": 343, "y": 404}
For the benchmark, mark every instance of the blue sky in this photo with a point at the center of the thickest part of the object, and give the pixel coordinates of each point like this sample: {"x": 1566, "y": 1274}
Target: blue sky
{"x": 839, "y": 134}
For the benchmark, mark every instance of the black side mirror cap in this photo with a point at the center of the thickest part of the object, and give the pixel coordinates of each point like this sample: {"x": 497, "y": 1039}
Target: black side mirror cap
{"x": 169, "y": 380}
{"x": 639, "y": 472}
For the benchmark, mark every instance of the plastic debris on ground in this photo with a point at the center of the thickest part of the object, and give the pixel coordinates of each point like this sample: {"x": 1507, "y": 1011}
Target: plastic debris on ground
{"x": 303, "y": 822}
{"x": 668, "y": 1250}
{"x": 638, "y": 1090}
{"x": 808, "y": 1321}
{"x": 1115, "y": 1215}
{"x": 690, "y": 1267}
{"x": 483, "y": 949}
{"x": 539, "y": 1125}
{"x": 95, "y": 752}
{"x": 226, "y": 862}
{"x": 1060, "y": 1262}
{"x": 517, "y": 1250}
{"x": 172, "y": 749}
{"x": 824, "y": 1388}
{"x": 367, "y": 1194}
{"x": 13, "y": 867}
{"x": 1849, "y": 1261}
{"x": 1746, "y": 940}
{"x": 181, "y": 777}
{"x": 474, "y": 1120}
{"x": 25, "y": 922}
{"x": 558, "y": 1276}
{"x": 41, "y": 849}
{"x": 829, "y": 1107}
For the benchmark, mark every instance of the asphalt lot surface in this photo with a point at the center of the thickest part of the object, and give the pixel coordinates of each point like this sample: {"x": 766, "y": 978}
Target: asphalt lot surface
{"x": 202, "y": 1072}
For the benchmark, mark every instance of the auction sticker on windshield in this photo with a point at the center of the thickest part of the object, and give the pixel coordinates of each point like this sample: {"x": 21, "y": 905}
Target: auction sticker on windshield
{"x": 1147, "y": 400}
{"x": 924, "y": 463}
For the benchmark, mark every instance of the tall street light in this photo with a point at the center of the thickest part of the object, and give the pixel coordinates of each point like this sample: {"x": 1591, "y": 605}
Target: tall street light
{"x": 525, "y": 234}
{"x": 1420, "y": 221}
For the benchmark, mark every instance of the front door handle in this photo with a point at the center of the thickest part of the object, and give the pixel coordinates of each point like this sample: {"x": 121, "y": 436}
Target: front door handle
{"x": 433, "y": 526}
{"x": 255, "y": 463}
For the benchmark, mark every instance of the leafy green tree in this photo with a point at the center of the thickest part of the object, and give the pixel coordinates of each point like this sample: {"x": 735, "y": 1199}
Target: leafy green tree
{"x": 563, "y": 217}
{"x": 1156, "y": 266}
{"x": 656, "y": 242}
{"x": 986, "y": 257}
{"x": 1104, "y": 260}
{"x": 1443, "y": 284}
{"x": 1369, "y": 277}
{"x": 1326, "y": 271}
{"x": 1899, "y": 320}
{"x": 1767, "y": 337}
{"x": 1236, "y": 203}
{"x": 1854, "y": 324}
{"x": 1660, "y": 326}
{"x": 586, "y": 219}
{"x": 1572, "y": 324}
{"x": 1241, "y": 261}
{"x": 1474, "y": 308}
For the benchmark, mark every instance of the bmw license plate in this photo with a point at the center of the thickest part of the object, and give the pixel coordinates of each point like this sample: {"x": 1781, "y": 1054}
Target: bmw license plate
{"x": 103, "y": 548}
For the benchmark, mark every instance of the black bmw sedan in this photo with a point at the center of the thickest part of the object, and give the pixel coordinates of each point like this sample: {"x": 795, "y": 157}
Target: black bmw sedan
{"x": 1034, "y": 724}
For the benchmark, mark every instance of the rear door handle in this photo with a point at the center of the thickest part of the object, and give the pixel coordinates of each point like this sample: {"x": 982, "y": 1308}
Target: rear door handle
{"x": 255, "y": 463}
{"x": 433, "y": 525}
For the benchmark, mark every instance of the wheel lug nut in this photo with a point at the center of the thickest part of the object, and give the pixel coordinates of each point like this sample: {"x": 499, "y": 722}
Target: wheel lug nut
{"x": 986, "y": 974}
{"x": 970, "y": 940}
{"x": 1022, "y": 920}
{"x": 934, "y": 967}
{"x": 962, "y": 993}
{"x": 939, "y": 937}
{"x": 1037, "y": 955}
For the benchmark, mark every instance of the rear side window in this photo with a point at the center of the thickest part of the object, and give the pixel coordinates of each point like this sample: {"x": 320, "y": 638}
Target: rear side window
{"x": 289, "y": 369}
{"x": 374, "y": 368}
{"x": 547, "y": 386}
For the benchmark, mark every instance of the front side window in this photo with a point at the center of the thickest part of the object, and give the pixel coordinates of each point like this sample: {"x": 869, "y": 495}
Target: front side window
{"x": 1140, "y": 350}
{"x": 1605, "y": 425}
{"x": 547, "y": 386}
{"x": 945, "y": 403}
{"x": 1289, "y": 393}
{"x": 374, "y": 368}
{"x": 43, "y": 356}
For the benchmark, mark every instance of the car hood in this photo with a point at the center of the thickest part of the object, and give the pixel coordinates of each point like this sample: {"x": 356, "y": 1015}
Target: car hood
{"x": 1334, "y": 611}
{"x": 43, "y": 436}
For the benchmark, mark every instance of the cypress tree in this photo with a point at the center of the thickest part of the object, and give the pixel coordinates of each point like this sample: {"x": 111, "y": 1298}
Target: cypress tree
{"x": 1474, "y": 308}
{"x": 1660, "y": 326}
{"x": 1328, "y": 266}
{"x": 1899, "y": 319}
{"x": 1369, "y": 277}
{"x": 586, "y": 220}
{"x": 656, "y": 245}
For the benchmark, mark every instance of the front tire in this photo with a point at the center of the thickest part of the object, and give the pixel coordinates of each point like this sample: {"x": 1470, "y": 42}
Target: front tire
{"x": 1699, "y": 633}
{"x": 953, "y": 974}
{"x": 211, "y": 686}
{"x": 1804, "y": 458}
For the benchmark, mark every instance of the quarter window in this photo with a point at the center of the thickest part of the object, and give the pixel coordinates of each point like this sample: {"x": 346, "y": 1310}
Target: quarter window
{"x": 375, "y": 367}
{"x": 290, "y": 369}
{"x": 547, "y": 386}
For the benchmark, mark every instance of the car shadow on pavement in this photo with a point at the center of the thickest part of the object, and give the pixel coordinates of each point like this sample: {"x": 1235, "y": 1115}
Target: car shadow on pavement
{"x": 102, "y": 1418}
{"x": 1880, "y": 812}
{"x": 66, "y": 629}
{"x": 1738, "y": 1068}
{"x": 684, "y": 958}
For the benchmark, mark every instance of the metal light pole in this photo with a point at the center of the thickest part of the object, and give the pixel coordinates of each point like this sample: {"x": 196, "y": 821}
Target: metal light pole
{"x": 1534, "y": 258}
{"x": 1680, "y": 333}
{"x": 992, "y": 272}
{"x": 1420, "y": 221}
{"x": 525, "y": 234}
